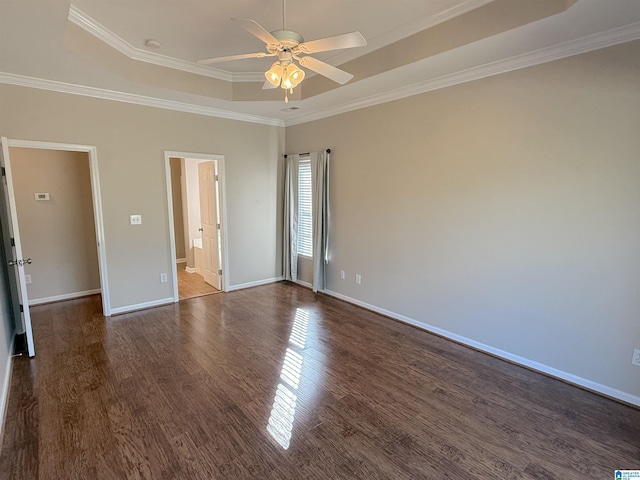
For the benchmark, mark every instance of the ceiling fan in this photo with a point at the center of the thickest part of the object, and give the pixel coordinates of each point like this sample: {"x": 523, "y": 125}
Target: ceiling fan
{"x": 288, "y": 46}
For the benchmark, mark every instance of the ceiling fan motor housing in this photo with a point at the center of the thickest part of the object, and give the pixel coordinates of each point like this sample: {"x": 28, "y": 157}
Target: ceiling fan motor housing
{"x": 288, "y": 38}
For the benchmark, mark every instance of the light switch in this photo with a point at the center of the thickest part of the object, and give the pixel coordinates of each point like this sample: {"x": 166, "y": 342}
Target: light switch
{"x": 136, "y": 219}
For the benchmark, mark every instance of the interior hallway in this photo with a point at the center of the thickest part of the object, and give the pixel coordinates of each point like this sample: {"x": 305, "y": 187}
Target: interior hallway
{"x": 274, "y": 382}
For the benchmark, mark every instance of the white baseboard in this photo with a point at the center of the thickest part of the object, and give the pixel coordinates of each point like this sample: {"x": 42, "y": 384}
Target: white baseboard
{"x": 142, "y": 306}
{"x": 303, "y": 283}
{"x": 66, "y": 296}
{"x": 189, "y": 270}
{"x": 4, "y": 393}
{"x": 181, "y": 260}
{"x": 266, "y": 281}
{"x": 540, "y": 367}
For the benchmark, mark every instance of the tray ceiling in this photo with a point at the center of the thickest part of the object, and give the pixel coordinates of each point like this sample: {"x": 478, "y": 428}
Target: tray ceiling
{"x": 413, "y": 46}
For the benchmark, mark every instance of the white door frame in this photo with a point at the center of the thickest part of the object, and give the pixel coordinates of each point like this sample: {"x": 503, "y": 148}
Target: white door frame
{"x": 97, "y": 204}
{"x": 224, "y": 266}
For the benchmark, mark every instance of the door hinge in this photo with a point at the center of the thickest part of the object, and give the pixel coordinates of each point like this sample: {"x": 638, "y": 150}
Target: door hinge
{"x": 21, "y": 308}
{"x": 13, "y": 242}
{"x": 4, "y": 172}
{"x": 215, "y": 177}
{"x": 218, "y": 226}
{"x": 219, "y": 272}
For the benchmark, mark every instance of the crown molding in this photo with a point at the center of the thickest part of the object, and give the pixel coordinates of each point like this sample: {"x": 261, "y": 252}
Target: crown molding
{"x": 586, "y": 44}
{"x": 405, "y": 31}
{"x": 62, "y": 87}
{"x": 81, "y": 19}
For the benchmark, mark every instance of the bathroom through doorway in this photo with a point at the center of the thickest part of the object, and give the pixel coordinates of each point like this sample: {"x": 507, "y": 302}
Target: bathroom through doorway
{"x": 195, "y": 188}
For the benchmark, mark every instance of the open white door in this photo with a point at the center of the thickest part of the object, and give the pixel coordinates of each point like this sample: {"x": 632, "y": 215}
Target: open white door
{"x": 9, "y": 215}
{"x": 210, "y": 224}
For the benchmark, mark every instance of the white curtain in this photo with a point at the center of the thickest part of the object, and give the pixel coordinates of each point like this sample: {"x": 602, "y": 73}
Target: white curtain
{"x": 290, "y": 235}
{"x": 320, "y": 202}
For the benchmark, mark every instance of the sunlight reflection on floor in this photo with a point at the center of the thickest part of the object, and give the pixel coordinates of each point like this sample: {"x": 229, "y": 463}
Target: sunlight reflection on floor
{"x": 280, "y": 425}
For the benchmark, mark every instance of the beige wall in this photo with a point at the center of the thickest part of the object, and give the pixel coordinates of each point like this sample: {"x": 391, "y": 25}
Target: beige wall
{"x": 176, "y": 196}
{"x": 59, "y": 234}
{"x": 131, "y": 141}
{"x": 504, "y": 211}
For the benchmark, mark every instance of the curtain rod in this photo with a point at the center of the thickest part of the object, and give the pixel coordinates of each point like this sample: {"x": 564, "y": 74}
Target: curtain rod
{"x": 308, "y": 153}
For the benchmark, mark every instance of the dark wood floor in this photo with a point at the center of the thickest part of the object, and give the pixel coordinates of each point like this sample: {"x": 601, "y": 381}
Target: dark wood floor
{"x": 275, "y": 382}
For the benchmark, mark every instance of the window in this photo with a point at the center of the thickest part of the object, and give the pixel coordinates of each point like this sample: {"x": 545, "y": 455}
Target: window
{"x": 305, "y": 218}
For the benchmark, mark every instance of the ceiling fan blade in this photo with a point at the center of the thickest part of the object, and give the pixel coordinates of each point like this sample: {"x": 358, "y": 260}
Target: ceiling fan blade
{"x": 268, "y": 85}
{"x": 329, "y": 71}
{"x": 346, "y": 40}
{"x": 256, "y": 30}
{"x": 207, "y": 61}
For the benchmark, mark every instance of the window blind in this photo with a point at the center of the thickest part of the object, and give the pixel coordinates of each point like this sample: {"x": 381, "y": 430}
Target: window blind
{"x": 305, "y": 220}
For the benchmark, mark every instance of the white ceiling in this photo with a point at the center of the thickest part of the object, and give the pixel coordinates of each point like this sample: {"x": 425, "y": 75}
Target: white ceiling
{"x": 33, "y": 49}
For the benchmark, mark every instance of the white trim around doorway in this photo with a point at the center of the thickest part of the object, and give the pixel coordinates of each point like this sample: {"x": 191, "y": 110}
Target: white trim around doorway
{"x": 97, "y": 205}
{"x": 223, "y": 212}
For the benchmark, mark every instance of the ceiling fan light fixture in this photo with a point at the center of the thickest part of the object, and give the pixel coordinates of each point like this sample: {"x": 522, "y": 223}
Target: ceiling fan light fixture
{"x": 296, "y": 75}
{"x": 286, "y": 79}
{"x": 291, "y": 76}
{"x": 274, "y": 74}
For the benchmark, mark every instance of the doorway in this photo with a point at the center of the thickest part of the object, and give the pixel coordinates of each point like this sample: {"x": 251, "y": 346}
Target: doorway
{"x": 44, "y": 197}
{"x": 195, "y": 192}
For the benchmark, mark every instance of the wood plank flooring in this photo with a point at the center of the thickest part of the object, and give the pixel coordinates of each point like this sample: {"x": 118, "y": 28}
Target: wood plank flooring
{"x": 275, "y": 382}
{"x": 192, "y": 284}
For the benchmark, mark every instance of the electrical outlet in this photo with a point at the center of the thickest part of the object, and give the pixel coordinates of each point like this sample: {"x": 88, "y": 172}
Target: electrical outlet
{"x": 163, "y": 278}
{"x": 135, "y": 219}
{"x": 358, "y": 278}
{"x": 27, "y": 279}
{"x": 342, "y": 274}
{"x": 636, "y": 357}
